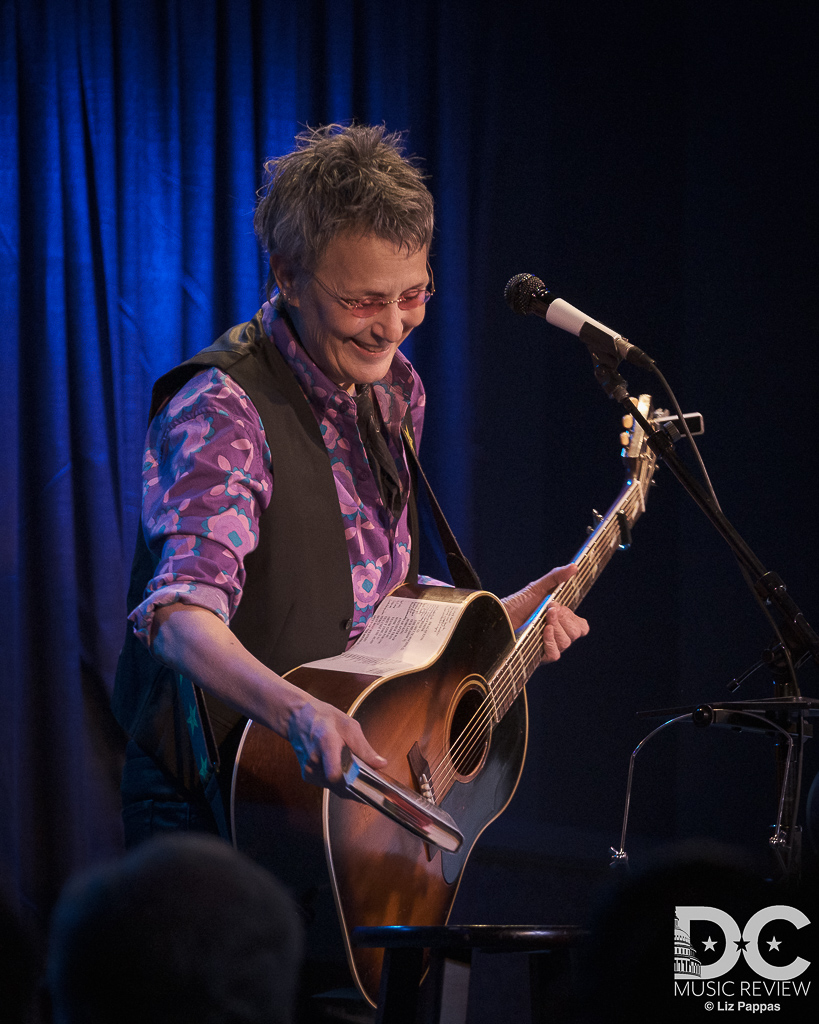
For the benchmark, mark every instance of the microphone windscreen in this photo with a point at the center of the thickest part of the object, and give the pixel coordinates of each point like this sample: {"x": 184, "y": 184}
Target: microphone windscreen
{"x": 520, "y": 291}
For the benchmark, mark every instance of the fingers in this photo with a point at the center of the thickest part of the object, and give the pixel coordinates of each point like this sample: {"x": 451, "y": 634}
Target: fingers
{"x": 520, "y": 606}
{"x": 554, "y": 578}
{"x": 318, "y": 733}
{"x": 562, "y": 628}
{"x": 362, "y": 748}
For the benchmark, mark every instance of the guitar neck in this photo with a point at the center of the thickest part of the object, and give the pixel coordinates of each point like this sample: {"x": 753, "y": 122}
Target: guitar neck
{"x": 516, "y": 670}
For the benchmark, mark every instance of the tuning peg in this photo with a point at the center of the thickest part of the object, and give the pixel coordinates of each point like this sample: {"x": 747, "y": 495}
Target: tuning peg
{"x": 625, "y": 530}
{"x": 625, "y": 438}
{"x": 628, "y": 421}
{"x": 597, "y": 520}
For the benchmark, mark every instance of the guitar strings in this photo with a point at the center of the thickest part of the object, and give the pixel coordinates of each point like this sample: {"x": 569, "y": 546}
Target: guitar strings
{"x": 528, "y": 651}
{"x": 503, "y": 684}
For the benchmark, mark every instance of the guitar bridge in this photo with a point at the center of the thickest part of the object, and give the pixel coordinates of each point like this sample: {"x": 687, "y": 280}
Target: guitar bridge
{"x": 421, "y": 772}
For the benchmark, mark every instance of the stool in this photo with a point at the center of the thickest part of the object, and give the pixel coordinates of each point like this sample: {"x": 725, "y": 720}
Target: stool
{"x": 402, "y": 999}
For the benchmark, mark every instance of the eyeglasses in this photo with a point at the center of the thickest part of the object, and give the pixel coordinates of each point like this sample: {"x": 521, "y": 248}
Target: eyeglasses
{"x": 364, "y": 309}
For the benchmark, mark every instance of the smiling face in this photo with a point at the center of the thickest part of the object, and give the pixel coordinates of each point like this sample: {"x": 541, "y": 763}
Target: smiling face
{"x": 350, "y": 350}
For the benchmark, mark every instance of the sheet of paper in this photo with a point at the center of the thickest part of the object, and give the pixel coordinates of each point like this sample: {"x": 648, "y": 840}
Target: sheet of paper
{"x": 403, "y": 634}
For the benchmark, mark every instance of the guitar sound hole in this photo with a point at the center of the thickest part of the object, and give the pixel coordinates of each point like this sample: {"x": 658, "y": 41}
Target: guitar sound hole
{"x": 469, "y": 732}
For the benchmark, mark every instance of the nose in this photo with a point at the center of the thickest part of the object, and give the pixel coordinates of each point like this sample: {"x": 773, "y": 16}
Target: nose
{"x": 389, "y": 325}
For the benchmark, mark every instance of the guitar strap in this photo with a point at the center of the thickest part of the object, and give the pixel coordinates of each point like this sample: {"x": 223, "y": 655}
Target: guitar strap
{"x": 463, "y": 575}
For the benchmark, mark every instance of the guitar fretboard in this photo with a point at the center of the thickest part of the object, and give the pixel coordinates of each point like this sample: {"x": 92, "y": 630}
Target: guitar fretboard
{"x": 516, "y": 670}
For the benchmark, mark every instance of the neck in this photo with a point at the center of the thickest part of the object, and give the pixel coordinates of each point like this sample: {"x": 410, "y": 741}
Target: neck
{"x": 592, "y": 558}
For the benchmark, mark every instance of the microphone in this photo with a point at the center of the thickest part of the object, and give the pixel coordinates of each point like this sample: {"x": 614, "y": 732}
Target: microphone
{"x": 526, "y": 294}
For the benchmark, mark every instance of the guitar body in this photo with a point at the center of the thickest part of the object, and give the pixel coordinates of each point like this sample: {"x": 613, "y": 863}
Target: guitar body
{"x": 348, "y": 864}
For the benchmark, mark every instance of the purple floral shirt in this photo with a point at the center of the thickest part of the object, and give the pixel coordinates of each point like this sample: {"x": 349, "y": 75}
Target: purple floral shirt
{"x": 207, "y": 477}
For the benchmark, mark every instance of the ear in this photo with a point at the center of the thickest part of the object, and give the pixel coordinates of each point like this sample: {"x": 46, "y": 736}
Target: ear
{"x": 286, "y": 279}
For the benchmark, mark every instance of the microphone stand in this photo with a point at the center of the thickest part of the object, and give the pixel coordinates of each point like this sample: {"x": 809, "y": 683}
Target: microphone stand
{"x": 799, "y": 639}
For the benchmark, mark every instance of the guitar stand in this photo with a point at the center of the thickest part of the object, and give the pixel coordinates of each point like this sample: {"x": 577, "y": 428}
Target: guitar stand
{"x": 783, "y": 715}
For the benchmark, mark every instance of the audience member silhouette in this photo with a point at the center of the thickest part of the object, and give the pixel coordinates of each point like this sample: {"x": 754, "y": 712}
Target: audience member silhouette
{"x": 183, "y": 930}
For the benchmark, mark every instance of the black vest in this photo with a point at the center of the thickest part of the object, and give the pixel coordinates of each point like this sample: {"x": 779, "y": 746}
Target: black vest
{"x": 297, "y": 603}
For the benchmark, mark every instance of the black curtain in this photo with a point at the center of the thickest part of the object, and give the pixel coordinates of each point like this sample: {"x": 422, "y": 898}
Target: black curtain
{"x": 654, "y": 164}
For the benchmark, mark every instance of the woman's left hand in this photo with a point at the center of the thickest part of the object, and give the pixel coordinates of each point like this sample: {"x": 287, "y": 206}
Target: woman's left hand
{"x": 562, "y": 627}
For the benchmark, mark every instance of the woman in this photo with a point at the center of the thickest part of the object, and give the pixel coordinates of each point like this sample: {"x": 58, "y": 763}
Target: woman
{"x": 277, "y": 510}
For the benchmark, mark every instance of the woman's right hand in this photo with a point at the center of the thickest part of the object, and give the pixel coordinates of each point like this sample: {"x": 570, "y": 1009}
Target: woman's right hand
{"x": 318, "y": 733}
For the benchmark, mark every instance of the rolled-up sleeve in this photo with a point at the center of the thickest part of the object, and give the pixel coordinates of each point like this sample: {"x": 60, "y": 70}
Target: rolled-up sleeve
{"x": 206, "y": 480}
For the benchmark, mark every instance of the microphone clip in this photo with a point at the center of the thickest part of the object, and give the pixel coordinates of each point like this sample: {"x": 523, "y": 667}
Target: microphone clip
{"x": 613, "y": 345}
{"x": 605, "y": 372}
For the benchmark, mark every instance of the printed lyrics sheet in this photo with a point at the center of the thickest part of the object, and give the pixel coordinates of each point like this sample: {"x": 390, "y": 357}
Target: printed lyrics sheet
{"x": 402, "y": 635}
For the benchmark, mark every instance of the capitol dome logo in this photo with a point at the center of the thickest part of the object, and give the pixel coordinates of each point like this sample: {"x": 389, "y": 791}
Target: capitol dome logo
{"x": 686, "y": 965}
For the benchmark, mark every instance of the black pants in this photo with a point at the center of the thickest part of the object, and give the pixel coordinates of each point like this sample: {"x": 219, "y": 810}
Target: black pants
{"x": 152, "y": 805}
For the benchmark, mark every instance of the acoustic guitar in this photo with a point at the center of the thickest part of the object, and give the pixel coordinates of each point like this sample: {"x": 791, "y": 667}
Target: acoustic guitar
{"x": 452, "y": 724}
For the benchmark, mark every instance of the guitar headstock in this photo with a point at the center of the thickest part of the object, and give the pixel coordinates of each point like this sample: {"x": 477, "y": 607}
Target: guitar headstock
{"x": 640, "y": 460}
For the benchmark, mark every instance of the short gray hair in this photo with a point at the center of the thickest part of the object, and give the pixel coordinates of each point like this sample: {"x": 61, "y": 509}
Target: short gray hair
{"x": 342, "y": 178}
